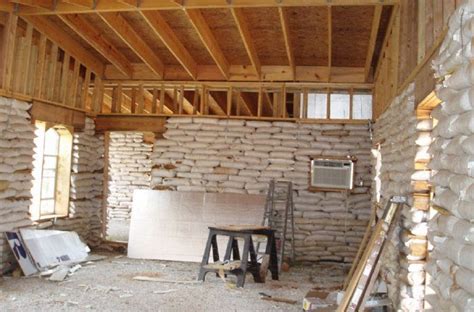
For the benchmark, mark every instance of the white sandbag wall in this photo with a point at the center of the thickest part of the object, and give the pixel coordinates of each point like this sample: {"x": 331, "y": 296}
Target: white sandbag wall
{"x": 129, "y": 169}
{"x": 16, "y": 163}
{"x": 451, "y": 264}
{"x": 405, "y": 142}
{"x": 85, "y": 203}
{"x": 237, "y": 156}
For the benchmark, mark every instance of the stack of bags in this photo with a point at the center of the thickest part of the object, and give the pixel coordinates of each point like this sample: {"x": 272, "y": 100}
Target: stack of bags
{"x": 238, "y": 156}
{"x": 451, "y": 235}
{"x": 16, "y": 162}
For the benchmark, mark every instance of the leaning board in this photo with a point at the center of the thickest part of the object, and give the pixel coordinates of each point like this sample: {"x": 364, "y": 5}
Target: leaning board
{"x": 168, "y": 225}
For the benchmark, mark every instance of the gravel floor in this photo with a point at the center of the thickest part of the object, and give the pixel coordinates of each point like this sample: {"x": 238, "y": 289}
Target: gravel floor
{"x": 107, "y": 285}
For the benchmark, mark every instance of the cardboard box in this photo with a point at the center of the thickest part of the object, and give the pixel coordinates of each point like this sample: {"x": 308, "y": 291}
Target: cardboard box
{"x": 315, "y": 301}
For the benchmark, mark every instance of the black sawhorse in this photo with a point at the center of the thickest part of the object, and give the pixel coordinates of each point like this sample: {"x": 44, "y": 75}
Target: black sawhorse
{"x": 244, "y": 265}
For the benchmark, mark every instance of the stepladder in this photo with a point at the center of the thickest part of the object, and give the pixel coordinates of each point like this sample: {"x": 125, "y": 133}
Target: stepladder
{"x": 279, "y": 215}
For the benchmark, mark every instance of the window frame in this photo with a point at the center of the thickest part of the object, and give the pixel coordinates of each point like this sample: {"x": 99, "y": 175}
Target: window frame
{"x": 62, "y": 172}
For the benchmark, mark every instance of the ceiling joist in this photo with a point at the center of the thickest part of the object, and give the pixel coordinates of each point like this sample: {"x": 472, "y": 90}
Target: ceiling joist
{"x": 286, "y": 36}
{"x": 372, "y": 40}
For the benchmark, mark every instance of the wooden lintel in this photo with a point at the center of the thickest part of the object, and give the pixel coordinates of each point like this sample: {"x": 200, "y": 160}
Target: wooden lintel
{"x": 58, "y": 114}
{"x": 136, "y": 122}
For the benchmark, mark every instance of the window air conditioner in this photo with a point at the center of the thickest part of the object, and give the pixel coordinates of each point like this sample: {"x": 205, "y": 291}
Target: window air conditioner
{"x": 332, "y": 174}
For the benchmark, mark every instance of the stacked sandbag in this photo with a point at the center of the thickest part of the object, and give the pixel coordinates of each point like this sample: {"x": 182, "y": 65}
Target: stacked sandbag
{"x": 451, "y": 234}
{"x": 401, "y": 170}
{"x": 16, "y": 162}
{"x": 238, "y": 156}
{"x": 85, "y": 203}
{"x": 129, "y": 169}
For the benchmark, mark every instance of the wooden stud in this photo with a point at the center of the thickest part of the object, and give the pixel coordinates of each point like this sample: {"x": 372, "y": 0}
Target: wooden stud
{"x": 75, "y": 83}
{"x": 296, "y": 105}
{"x": 329, "y": 42}
{"x": 305, "y": 103}
{"x": 239, "y": 99}
{"x": 351, "y": 103}
{"x": 133, "y": 100}
{"x": 85, "y": 89}
{"x": 154, "y": 101}
{"x": 328, "y": 104}
{"x": 62, "y": 38}
{"x": 7, "y": 51}
{"x": 64, "y": 77}
{"x": 206, "y": 102}
{"x": 283, "y": 101}
{"x": 242, "y": 26}
{"x": 52, "y": 71}
{"x": 98, "y": 95}
{"x": 195, "y": 101}
{"x": 259, "y": 105}
{"x": 421, "y": 29}
{"x": 141, "y": 99}
{"x": 181, "y": 100}
{"x": 372, "y": 40}
{"x": 175, "y": 100}
{"x": 162, "y": 100}
{"x": 38, "y": 86}
{"x": 230, "y": 93}
{"x": 27, "y": 64}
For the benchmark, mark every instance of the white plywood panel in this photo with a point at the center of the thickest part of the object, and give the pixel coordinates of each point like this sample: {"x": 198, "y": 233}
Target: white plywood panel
{"x": 174, "y": 225}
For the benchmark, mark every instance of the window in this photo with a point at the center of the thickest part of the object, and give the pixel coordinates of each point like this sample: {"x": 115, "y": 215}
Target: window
{"x": 52, "y": 166}
{"x": 317, "y": 105}
{"x": 340, "y": 105}
{"x": 362, "y": 106}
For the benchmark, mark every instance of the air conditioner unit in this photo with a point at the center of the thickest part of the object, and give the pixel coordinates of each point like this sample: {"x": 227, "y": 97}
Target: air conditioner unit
{"x": 332, "y": 174}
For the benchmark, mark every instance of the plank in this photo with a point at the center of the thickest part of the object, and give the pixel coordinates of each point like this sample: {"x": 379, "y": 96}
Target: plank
{"x": 7, "y": 51}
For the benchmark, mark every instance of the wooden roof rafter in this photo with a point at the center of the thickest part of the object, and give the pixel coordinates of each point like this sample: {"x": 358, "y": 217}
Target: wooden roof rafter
{"x": 286, "y": 36}
{"x": 125, "y": 31}
{"x": 95, "y": 38}
{"x": 372, "y": 40}
{"x": 247, "y": 39}
{"x": 30, "y": 7}
{"x": 209, "y": 40}
{"x": 161, "y": 28}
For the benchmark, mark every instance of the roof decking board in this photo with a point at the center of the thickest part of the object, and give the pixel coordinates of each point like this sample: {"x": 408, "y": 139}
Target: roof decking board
{"x": 224, "y": 29}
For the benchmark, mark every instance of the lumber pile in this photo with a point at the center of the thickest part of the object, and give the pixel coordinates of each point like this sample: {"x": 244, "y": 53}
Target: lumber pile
{"x": 451, "y": 264}
{"x": 238, "y": 156}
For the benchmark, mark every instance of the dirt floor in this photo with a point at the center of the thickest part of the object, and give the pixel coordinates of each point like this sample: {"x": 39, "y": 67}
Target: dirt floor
{"x": 108, "y": 285}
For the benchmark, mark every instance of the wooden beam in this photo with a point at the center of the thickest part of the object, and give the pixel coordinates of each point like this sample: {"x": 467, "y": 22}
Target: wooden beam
{"x": 209, "y": 41}
{"x": 67, "y": 43}
{"x": 136, "y": 122}
{"x": 127, "y": 5}
{"x": 7, "y": 51}
{"x": 373, "y": 40}
{"x": 161, "y": 28}
{"x": 40, "y": 67}
{"x": 214, "y": 106}
{"x": 96, "y": 39}
{"x": 286, "y": 36}
{"x": 44, "y": 111}
{"x": 242, "y": 26}
{"x": 125, "y": 31}
{"x": 89, "y": 4}
{"x": 246, "y": 73}
{"x": 329, "y": 42}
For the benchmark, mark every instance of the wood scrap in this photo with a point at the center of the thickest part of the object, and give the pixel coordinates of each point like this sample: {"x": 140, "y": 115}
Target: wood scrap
{"x": 159, "y": 280}
{"x": 276, "y": 299}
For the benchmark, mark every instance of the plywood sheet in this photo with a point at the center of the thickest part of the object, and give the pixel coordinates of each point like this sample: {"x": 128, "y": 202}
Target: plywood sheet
{"x": 169, "y": 225}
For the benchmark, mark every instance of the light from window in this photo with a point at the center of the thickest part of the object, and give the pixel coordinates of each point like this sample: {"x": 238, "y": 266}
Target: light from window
{"x": 52, "y": 166}
{"x": 362, "y": 106}
{"x": 317, "y": 105}
{"x": 340, "y": 106}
